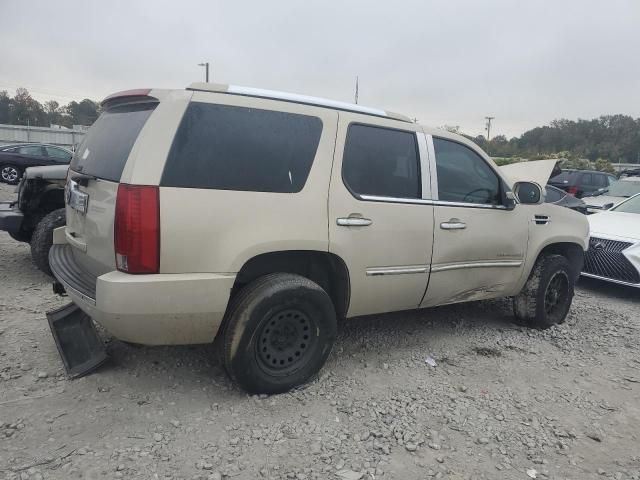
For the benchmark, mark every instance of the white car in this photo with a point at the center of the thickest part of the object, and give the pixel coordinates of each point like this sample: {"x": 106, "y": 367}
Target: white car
{"x": 617, "y": 192}
{"x": 614, "y": 247}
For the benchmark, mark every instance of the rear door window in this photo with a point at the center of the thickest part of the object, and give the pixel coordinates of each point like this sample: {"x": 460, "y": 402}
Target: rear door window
{"x": 237, "y": 148}
{"x": 381, "y": 162}
{"x": 31, "y": 151}
{"x": 106, "y": 147}
{"x": 58, "y": 155}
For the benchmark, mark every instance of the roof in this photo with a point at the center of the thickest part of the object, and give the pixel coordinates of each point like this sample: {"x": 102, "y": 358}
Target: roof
{"x": 296, "y": 98}
{"x": 13, "y": 145}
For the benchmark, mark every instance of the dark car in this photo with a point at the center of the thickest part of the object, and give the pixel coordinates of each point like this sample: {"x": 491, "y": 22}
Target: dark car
{"x": 560, "y": 197}
{"x": 582, "y": 182}
{"x": 15, "y": 158}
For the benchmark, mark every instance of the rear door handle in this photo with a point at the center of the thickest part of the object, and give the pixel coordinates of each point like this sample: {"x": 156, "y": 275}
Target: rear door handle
{"x": 354, "y": 222}
{"x": 453, "y": 224}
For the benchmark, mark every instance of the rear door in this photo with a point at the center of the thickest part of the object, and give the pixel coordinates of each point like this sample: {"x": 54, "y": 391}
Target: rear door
{"x": 380, "y": 213}
{"x": 94, "y": 174}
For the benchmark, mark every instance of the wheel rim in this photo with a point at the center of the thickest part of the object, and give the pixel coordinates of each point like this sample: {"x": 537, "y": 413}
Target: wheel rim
{"x": 9, "y": 174}
{"x": 285, "y": 342}
{"x": 556, "y": 295}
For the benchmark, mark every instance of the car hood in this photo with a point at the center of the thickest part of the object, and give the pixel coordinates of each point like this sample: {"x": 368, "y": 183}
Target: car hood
{"x": 615, "y": 224}
{"x": 53, "y": 172}
{"x": 537, "y": 171}
{"x": 601, "y": 200}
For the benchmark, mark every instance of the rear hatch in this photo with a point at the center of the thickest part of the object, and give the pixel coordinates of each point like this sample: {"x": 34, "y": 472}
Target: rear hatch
{"x": 94, "y": 176}
{"x": 564, "y": 180}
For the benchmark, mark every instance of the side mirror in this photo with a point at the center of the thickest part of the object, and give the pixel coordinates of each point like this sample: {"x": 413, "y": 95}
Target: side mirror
{"x": 607, "y": 206}
{"x": 528, "y": 193}
{"x": 509, "y": 200}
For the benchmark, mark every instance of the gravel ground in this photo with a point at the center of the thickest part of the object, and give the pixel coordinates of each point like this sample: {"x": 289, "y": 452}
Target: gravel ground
{"x": 501, "y": 402}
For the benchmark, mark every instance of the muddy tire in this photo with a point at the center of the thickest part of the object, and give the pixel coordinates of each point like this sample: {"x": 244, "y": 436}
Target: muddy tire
{"x": 278, "y": 333}
{"x": 546, "y": 297}
{"x": 43, "y": 238}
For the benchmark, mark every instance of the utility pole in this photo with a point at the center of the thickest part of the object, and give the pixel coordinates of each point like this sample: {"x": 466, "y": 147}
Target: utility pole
{"x": 489, "y": 127}
{"x": 206, "y": 69}
{"x": 356, "y": 96}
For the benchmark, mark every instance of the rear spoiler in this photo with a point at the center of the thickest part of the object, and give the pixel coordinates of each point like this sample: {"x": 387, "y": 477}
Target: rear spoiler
{"x": 126, "y": 96}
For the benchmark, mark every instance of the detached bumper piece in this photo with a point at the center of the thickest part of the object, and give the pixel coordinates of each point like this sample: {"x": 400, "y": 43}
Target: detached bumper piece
{"x": 78, "y": 342}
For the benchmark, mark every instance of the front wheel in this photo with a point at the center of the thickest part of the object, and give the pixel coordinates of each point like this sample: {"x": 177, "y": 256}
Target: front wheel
{"x": 10, "y": 174}
{"x": 279, "y": 331}
{"x": 546, "y": 297}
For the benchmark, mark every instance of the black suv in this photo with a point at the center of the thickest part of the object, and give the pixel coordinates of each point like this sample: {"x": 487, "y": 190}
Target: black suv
{"x": 580, "y": 183}
{"x": 15, "y": 158}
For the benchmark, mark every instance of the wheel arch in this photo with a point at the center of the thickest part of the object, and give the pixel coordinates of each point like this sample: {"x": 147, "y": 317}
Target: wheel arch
{"x": 572, "y": 251}
{"x": 324, "y": 268}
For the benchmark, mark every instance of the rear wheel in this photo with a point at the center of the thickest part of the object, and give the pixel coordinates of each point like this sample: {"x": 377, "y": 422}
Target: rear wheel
{"x": 278, "y": 332}
{"x": 546, "y": 297}
{"x": 10, "y": 174}
{"x": 43, "y": 239}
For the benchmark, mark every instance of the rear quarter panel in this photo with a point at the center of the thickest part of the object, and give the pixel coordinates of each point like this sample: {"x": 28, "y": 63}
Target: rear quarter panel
{"x": 217, "y": 231}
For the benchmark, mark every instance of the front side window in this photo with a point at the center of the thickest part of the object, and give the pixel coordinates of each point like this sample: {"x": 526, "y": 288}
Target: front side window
{"x": 381, "y": 162}
{"x": 33, "y": 151}
{"x": 57, "y": 154}
{"x": 464, "y": 176}
{"x": 237, "y": 148}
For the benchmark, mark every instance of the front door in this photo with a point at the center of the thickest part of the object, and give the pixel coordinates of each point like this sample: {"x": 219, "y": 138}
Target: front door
{"x": 479, "y": 244}
{"x": 380, "y": 221}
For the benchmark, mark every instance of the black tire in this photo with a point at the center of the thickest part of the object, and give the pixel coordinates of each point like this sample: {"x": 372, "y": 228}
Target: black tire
{"x": 10, "y": 174}
{"x": 43, "y": 239}
{"x": 278, "y": 332}
{"x": 546, "y": 297}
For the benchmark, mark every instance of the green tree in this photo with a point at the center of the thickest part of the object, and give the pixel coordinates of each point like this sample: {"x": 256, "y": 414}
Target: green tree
{"x": 25, "y": 110}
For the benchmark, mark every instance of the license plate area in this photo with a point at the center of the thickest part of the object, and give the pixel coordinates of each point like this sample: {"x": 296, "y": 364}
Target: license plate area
{"x": 77, "y": 199}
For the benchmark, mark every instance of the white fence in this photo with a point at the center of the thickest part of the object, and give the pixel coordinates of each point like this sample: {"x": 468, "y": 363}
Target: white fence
{"x": 55, "y": 136}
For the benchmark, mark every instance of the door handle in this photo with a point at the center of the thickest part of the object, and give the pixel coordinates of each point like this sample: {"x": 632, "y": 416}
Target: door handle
{"x": 453, "y": 224}
{"x": 354, "y": 222}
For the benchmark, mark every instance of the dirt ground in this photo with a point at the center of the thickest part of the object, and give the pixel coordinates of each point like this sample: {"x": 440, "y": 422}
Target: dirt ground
{"x": 502, "y": 401}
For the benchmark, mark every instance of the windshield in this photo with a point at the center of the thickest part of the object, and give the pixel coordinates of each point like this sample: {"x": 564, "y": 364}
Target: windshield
{"x": 629, "y": 206}
{"x": 624, "y": 188}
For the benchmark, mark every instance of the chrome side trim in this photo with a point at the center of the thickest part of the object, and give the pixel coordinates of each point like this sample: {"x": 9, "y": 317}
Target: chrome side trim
{"x": 425, "y": 166}
{"x": 424, "y": 201}
{"x": 612, "y": 280}
{"x": 457, "y": 266}
{"x": 399, "y": 270}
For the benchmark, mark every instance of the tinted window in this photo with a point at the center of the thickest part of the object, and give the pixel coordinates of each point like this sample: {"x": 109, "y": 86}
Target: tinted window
{"x": 57, "y": 154}
{"x": 586, "y": 179}
{"x": 106, "y": 147}
{"x": 463, "y": 176}
{"x": 553, "y": 195}
{"x": 34, "y": 151}
{"x": 564, "y": 177}
{"x": 600, "y": 180}
{"x": 382, "y": 162}
{"x": 237, "y": 148}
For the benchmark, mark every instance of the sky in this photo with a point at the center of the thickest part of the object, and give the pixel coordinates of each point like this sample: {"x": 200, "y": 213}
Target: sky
{"x": 448, "y": 62}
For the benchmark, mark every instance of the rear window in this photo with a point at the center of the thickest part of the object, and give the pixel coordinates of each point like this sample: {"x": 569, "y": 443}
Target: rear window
{"x": 106, "y": 147}
{"x": 237, "y": 148}
{"x": 564, "y": 177}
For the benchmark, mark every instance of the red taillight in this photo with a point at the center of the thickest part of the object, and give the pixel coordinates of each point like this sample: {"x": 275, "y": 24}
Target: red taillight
{"x": 572, "y": 190}
{"x": 137, "y": 229}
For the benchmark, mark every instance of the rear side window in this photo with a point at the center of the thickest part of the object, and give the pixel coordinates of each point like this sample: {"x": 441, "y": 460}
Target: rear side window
{"x": 237, "y": 148}
{"x": 382, "y": 162}
{"x": 58, "y": 154}
{"x": 553, "y": 195}
{"x": 564, "y": 177}
{"x": 106, "y": 147}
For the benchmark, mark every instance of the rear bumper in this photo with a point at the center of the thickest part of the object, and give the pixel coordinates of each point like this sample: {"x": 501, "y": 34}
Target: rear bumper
{"x": 11, "y": 217}
{"x": 161, "y": 309}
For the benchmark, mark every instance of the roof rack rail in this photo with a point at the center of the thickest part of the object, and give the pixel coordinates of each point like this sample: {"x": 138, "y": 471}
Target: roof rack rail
{"x": 296, "y": 98}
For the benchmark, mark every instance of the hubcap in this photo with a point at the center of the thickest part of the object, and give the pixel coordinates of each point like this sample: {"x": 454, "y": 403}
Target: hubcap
{"x": 9, "y": 174}
{"x": 556, "y": 295}
{"x": 284, "y": 341}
